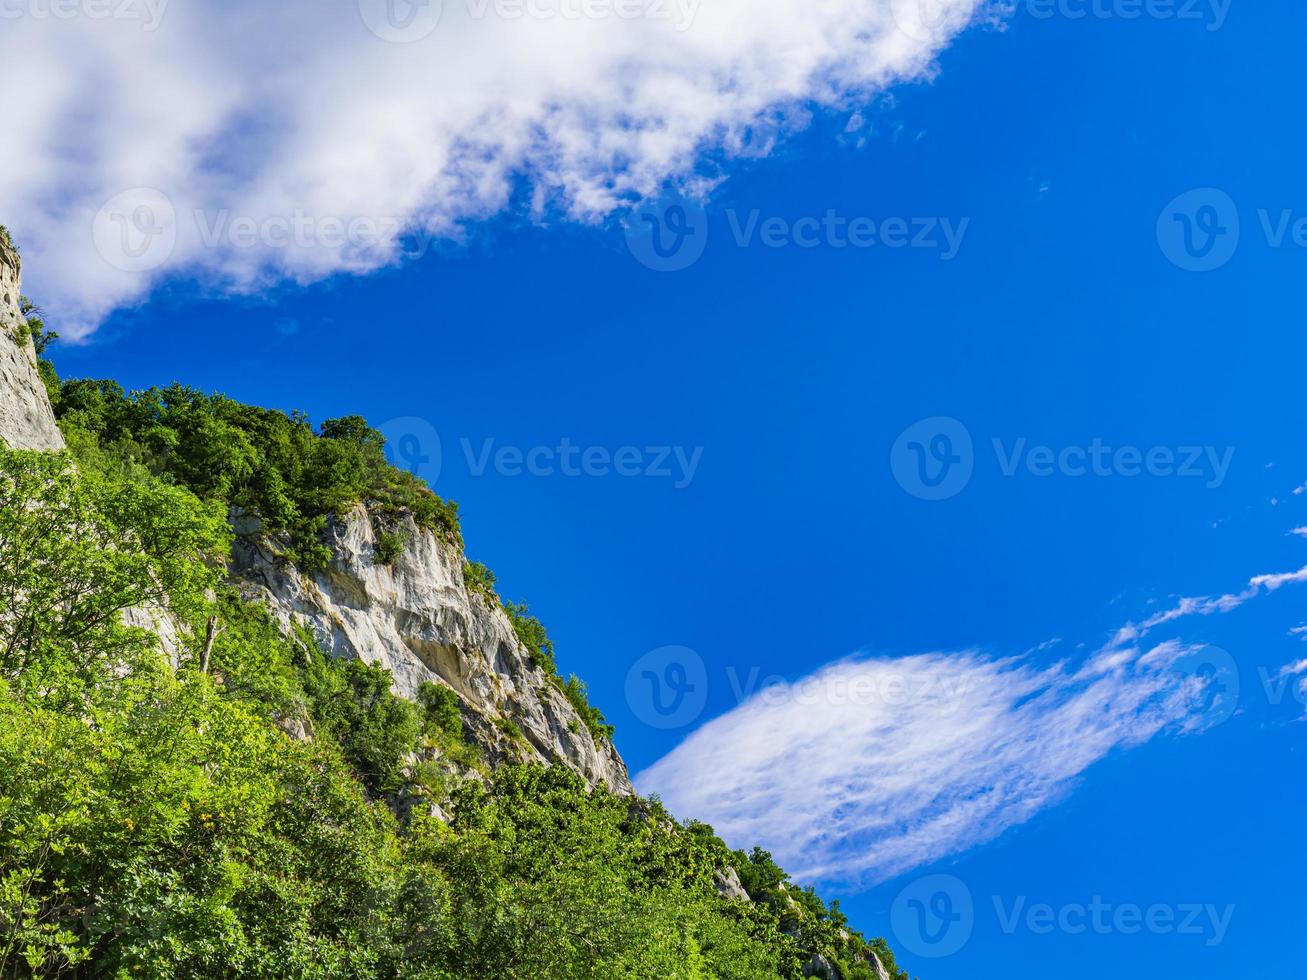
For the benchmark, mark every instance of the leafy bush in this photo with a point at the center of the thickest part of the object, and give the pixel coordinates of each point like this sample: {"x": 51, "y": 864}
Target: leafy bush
{"x": 593, "y": 718}
{"x": 509, "y": 727}
{"x": 352, "y": 702}
{"x": 390, "y": 545}
{"x": 480, "y": 581}
{"x": 266, "y": 462}
{"x": 440, "y": 709}
{"x": 533, "y": 636}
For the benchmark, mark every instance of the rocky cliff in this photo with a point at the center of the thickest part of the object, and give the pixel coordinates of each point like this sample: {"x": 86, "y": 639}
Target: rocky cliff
{"x": 26, "y": 421}
{"x": 413, "y": 615}
{"x": 416, "y": 617}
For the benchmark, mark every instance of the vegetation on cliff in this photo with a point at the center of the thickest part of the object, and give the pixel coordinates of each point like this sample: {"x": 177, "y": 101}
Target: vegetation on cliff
{"x": 206, "y": 795}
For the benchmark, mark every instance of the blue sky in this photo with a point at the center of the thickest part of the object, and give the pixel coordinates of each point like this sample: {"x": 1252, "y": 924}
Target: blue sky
{"x": 1061, "y": 321}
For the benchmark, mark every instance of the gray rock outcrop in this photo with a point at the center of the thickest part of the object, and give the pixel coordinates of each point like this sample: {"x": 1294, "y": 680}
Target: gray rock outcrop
{"x": 417, "y": 618}
{"x": 26, "y": 419}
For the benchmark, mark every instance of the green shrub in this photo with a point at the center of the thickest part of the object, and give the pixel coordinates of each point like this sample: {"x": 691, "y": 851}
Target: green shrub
{"x": 266, "y": 462}
{"x": 352, "y": 702}
{"x": 390, "y": 545}
{"x": 533, "y": 636}
{"x": 440, "y": 709}
{"x": 591, "y": 716}
{"x": 509, "y": 727}
{"x": 480, "y": 581}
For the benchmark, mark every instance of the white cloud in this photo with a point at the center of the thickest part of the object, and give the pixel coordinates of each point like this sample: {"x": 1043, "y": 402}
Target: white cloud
{"x": 1206, "y": 605}
{"x": 845, "y": 783}
{"x": 871, "y": 767}
{"x": 297, "y": 111}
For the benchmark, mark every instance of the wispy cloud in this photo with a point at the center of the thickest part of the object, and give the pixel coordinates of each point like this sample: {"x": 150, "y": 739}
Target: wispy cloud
{"x": 1206, "y": 605}
{"x": 265, "y": 114}
{"x": 848, "y": 785}
{"x": 857, "y": 789}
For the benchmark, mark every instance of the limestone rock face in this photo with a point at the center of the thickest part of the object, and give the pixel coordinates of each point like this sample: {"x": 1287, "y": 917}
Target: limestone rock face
{"x": 26, "y": 420}
{"x": 416, "y": 618}
{"x": 728, "y": 885}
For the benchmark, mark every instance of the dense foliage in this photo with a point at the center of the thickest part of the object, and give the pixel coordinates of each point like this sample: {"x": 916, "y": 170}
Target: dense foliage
{"x": 275, "y": 466}
{"x": 157, "y": 820}
{"x": 266, "y": 462}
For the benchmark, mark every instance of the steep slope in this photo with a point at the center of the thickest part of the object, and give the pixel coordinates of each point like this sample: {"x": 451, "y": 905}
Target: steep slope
{"x": 26, "y": 420}
{"x": 415, "y": 616}
{"x": 382, "y": 580}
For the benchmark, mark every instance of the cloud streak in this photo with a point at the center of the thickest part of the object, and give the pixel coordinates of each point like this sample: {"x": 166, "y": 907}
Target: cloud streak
{"x": 856, "y": 789}
{"x": 872, "y": 767}
{"x": 242, "y": 118}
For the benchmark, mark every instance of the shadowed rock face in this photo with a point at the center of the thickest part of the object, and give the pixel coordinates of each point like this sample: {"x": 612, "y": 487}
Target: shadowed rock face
{"x": 416, "y": 618}
{"x": 26, "y": 420}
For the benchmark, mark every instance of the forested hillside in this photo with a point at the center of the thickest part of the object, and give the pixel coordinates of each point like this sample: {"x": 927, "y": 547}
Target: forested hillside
{"x": 191, "y": 787}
